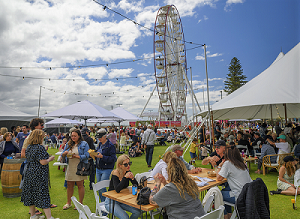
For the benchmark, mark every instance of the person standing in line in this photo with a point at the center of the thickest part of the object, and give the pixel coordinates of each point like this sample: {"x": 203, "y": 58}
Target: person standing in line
{"x": 86, "y": 136}
{"x": 148, "y": 142}
{"x": 76, "y": 150}
{"x": 106, "y": 159}
{"x": 35, "y": 189}
{"x": 21, "y": 136}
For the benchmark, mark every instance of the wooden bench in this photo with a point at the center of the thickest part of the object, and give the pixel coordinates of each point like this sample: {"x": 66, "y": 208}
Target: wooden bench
{"x": 266, "y": 162}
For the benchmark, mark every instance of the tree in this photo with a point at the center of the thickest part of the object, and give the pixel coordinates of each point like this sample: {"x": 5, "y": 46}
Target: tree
{"x": 235, "y": 77}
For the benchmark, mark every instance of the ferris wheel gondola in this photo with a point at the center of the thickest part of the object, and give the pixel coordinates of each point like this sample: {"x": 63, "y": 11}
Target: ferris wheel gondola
{"x": 170, "y": 63}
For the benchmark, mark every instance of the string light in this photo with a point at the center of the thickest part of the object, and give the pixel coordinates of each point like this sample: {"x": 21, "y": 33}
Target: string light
{"x": 147, "y": 28}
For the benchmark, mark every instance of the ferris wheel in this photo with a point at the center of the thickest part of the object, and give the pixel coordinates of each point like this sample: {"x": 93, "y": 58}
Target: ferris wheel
{"x": 170, "y": 64}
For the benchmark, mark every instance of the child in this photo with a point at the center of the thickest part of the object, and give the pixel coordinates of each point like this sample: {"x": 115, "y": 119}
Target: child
{"x": 123, "y": 141}
{"x": 203, "y": 152}
{"x": 193, "y": 150}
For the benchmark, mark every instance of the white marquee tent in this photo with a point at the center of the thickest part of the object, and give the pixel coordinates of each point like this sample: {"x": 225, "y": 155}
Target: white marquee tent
{"x": 265, "y": 95}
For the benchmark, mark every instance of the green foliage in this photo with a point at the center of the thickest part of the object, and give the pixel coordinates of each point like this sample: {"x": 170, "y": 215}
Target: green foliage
{"x": 280, "y": 205}
{"x": 235, "y": 77}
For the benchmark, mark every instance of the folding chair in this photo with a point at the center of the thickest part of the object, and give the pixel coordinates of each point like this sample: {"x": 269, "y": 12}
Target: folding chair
{"x": 96, "y": 187}
{"x": 84, "y": 211}
{"x": 208, "y": 204}
{"x": 216, "y": 214}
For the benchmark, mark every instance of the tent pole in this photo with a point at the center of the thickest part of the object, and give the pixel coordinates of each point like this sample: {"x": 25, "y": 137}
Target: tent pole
{"x": 40, "y": 101}
{"x": 208, "y": 105}
{"x": 271, "y": 116}
{"x": 285, "y": 114}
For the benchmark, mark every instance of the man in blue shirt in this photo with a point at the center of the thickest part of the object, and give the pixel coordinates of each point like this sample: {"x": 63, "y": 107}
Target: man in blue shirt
{"x": 22, "y": 136}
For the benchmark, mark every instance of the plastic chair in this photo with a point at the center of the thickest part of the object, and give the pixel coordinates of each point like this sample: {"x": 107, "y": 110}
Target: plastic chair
{"x": 84, "y": 211}
{"x": 216, "y": 214}
{"x": 243, "y": 147}
{"x": 234, "y": 215}
{"x": 208, "y": 204}
{"x": 96, "y": 187}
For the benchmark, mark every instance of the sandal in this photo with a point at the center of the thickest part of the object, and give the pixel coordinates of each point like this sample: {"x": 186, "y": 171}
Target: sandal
{"x": 53, "y": 206}
{"x": 67, "y": 206}
{"x": 37, "y": 212}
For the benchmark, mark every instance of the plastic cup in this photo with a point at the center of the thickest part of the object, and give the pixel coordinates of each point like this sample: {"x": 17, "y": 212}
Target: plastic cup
{"x": 134, "y": 189}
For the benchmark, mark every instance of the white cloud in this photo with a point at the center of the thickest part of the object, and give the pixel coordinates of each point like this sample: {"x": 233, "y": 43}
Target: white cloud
{"x": 201, "y": 57}
{"x": 186, "y": 7}
{"x": 230, "y": 2}
{"x": 115, "y": 73}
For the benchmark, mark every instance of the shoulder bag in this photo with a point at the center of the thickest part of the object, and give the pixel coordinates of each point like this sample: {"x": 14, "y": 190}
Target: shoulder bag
{"x": 83, "y": 169}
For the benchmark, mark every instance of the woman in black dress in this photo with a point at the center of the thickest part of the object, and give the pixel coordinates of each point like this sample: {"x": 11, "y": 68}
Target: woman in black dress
{"x": 35, "y": 190}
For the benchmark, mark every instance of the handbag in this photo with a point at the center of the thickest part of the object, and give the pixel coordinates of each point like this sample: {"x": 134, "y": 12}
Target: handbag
{"x": 143, "y": 196}
{"x": 83, "y": 169}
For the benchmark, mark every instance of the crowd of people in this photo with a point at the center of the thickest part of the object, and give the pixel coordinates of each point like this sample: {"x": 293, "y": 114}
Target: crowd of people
{"x": 179, "y": 194}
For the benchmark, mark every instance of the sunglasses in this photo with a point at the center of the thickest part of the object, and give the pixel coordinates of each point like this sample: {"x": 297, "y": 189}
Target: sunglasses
{"x": 126, "y": 164}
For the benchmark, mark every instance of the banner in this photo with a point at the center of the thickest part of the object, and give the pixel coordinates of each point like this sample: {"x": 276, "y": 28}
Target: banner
{"x": 175, "y": 123}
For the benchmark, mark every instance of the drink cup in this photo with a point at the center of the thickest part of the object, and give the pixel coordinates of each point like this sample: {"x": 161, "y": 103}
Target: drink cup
{"x": 134, "y": 189}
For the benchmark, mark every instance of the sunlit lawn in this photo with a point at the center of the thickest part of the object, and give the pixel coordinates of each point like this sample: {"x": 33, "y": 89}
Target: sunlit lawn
{"x": 280, "y": 205}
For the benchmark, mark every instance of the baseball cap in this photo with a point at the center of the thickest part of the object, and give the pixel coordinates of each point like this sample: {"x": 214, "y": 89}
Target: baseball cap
{"x": 100, "y": 133}
{"x": 282, "y": 137}
{"x": 220, "y": 143}
{"x": 288, "y": 158}
{"x": 256, "y": 133}
{"x": 177, "y": 147}
{"x": 85, "y": 129}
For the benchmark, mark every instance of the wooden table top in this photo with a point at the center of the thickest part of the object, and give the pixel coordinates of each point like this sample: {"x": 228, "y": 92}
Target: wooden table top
{"x": 126, "y": 197}
{"x": 250, "y": 159}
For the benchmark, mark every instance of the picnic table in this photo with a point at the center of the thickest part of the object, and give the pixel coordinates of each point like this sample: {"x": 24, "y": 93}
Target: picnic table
{"x": 125, "y": 196}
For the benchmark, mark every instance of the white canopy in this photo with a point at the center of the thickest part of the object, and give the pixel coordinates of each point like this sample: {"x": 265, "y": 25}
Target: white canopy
{"x": 61, "y": 121}
{"x": 82, "y": 110}
{"x": 268, "y": 92}
{"x": 8, "y": 113}
{"x": 122, "y": 113}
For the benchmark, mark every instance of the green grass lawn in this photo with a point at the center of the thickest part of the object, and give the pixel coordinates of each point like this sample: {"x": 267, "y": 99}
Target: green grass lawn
{"x": 280, "y": 205}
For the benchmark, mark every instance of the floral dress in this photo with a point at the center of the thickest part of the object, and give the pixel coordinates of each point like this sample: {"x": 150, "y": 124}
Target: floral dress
{"x": 284, "y": 186}
{"x": 35, "y": 190}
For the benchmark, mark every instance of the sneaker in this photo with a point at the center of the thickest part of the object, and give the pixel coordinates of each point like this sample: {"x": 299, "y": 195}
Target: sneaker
{"x": 275, "y": 192}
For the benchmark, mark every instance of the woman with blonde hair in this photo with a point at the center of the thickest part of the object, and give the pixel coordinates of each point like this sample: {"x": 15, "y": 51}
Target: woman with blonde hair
{"x": 2, "y": 132}
{"x": 180, "y": 196}
{"x": 285, "y": 182}
{"x": 161, "y": 166}
{"x": 35, "y": 190}
{"x": 120, "y": 178}
{"x": 76, "y": 150}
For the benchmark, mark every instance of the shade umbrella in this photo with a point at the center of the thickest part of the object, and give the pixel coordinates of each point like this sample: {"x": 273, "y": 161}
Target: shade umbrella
{"x": 60, "y": 121}
{"x": 83, "y": 110}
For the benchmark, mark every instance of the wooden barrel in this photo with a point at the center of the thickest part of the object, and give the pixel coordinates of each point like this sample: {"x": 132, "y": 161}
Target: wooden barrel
{"x": 11, "y": 177}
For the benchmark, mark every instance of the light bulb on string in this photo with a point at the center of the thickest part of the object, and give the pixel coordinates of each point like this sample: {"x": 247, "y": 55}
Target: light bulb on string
{"x": 23, "y": 78}
{"x": 20, "y": 68}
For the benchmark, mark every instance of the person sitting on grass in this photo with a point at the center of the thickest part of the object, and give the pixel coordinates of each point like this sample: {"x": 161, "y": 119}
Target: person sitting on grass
{"x": 180, "y": 196}
{"x": 193, "y": 153}
{"x": 265, "y": 150}
{"x": 285, "y": 182}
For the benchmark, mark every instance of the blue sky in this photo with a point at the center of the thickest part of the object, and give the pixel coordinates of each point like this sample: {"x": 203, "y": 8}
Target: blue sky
{"x": 79, "y": 32}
